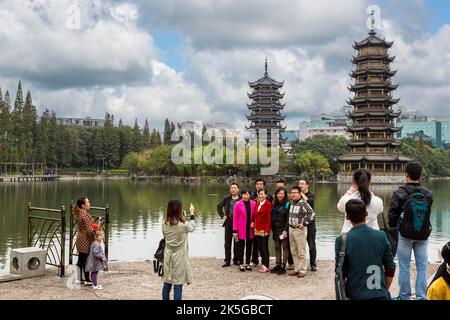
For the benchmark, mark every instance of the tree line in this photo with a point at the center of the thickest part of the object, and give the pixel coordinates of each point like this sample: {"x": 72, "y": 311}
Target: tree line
{"x": 26, "y": 137}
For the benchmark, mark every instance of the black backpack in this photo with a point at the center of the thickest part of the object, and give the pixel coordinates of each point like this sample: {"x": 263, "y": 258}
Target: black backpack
{"x": 158, "y": 262}
{"x": 415, "y": 219}
{"x": 339, "y": 281}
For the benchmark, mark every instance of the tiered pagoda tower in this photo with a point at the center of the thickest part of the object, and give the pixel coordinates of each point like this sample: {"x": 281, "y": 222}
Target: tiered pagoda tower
{"x": 266, "y": 107}
{"x": 374, "y": 145}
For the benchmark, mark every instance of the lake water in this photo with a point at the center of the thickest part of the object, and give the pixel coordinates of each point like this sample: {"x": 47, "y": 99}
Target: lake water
{"x": 137, "y": 211}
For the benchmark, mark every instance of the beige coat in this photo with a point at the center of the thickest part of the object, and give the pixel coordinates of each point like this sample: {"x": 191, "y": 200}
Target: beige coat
{"x": 177, "y": 265}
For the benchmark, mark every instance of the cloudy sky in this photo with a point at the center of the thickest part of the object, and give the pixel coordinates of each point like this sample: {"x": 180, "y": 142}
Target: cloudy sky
{"x": 191, "y": 59}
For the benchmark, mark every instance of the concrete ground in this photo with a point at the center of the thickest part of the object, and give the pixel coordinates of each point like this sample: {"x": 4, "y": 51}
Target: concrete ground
{"x": 137, "y": 281}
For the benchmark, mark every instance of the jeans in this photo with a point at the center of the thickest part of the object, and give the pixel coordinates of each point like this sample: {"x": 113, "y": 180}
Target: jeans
{"x": 177, "y": 291}
{"x": 420, "y": 248}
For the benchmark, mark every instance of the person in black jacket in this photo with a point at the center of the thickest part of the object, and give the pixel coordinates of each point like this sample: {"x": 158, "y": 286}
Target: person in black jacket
{"x": 411, "y": 241}
{"x": 280, "y": 228}
{"x": 260, "y": 184}
{"x": 309, "y": 197}
{"x": 225, "y": 211}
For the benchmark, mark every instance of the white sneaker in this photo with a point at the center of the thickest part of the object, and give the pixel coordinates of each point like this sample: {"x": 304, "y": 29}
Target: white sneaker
{"x": 99, "y": 287}
{"x": 88, "y": 283}
{"x": 253, "y": 265}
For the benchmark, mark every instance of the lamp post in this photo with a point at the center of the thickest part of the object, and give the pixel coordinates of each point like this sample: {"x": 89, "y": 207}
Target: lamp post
{"x": 103, "y": 164}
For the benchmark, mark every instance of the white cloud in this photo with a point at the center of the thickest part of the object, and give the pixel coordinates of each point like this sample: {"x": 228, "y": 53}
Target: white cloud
{"x": 224, "y": 23}
{"x": 113, "y": 65}
{"x": 36, "y": 45}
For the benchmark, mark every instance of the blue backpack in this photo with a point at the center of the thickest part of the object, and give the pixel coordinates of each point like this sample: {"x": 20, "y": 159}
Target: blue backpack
{"x": 415, "y": 220}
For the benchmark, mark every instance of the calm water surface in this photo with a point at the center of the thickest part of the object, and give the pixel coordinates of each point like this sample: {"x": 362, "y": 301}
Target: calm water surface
{"x": 137, "y": 211}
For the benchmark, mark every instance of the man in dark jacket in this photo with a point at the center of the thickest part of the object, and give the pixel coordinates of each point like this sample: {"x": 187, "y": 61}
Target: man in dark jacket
{"x": 225, "y": 210}
{"x": 260, "y": 184}
{"x": 408, "y": 241}
{"x": 368, "y": 256}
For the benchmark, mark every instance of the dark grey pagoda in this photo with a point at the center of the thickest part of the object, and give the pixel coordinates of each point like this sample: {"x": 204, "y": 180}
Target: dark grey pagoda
{"x": 266, "y": 106}
{"x": 373, "y": 145}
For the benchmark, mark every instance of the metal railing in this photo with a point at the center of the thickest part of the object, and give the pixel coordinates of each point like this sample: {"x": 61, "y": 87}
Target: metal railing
{"x": 49, "y": 232}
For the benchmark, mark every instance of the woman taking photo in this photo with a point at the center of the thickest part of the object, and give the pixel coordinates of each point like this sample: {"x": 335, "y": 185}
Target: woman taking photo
{"x": 177, "y": 265}
{"x": 360, "y": 189}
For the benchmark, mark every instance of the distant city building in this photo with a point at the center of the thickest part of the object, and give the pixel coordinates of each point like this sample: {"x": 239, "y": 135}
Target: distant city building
{"x": 434, "y": 129}
{"x": 334, "y": 124}
{"x": 83, "y": 122}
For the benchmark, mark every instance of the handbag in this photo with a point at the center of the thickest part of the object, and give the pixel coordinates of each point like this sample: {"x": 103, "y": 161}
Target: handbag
{"x": 158, "y": 262}
{"x": 260, "y": 233}
{"x": 392, "y": 235}
{"x": 339, "y": 281}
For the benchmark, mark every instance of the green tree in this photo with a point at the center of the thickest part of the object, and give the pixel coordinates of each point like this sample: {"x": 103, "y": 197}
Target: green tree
{"x": 52, "y": 137}
{"x": 329, "y": 147}
{"x": 155, "y": 139}
{"x": 111, "y": 143}
{"x": 312, "y": 164}
{"x": 5, "y": 128}
{"x": 18, "y": 128}
{"x": 137, "y": 138}
{"x": 146, "y": 135}
{"x": 30, "y": 130}
{"x": 167, "y": 132}
{"x": 131, "y": 162}
{"x": 155, "y": 160}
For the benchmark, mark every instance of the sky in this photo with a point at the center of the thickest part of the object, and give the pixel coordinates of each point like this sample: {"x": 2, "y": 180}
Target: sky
{"x": 192, "y": 59}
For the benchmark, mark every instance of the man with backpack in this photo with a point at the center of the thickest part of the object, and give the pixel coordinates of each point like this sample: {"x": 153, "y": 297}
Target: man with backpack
{"x": 410, "y": 211}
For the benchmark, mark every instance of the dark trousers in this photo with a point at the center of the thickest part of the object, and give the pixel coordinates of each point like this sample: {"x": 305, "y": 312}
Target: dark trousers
{"x": 247, "y": 246}
{"x": 281, "y": 250}
{"x": 311, "y": 239}
{"x": 255, "y": 252}
{"x": 229, "y": 242}
{"x": 81, "y": 263}
{"x": 263, "y": 246}
{"x": 290, "y": 258}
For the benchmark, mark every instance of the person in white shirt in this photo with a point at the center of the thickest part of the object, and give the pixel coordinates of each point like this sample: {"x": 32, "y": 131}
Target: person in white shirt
{"x": 360, "y": 189}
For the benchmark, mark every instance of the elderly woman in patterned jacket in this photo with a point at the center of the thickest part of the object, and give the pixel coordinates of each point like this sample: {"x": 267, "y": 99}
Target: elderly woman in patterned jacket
{"x": 85, "y": 236}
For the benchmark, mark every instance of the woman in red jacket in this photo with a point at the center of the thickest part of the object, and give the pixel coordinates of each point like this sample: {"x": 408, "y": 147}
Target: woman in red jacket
{"x": 262, "y": 228}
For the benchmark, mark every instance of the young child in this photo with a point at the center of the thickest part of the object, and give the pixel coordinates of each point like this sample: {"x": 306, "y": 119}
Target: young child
{"x": 439, "y": 288}
{"x": 97, "y": 259}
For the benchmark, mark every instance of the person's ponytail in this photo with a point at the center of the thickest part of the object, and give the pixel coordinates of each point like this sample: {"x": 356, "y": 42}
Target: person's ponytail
{"x": 362, "y": 179}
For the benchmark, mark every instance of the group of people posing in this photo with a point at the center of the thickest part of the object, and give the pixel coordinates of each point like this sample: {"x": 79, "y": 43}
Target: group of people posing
{"x": 250, "y": 218}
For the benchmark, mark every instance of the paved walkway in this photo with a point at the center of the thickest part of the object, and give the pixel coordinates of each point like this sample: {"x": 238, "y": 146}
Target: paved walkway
{"x": 136, "y": 280}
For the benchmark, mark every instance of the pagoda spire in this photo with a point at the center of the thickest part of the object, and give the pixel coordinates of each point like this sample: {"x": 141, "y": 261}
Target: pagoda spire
{"x": 266, "y": 74}
{"x": 372, "y": 28}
